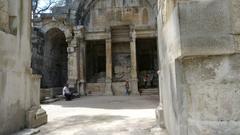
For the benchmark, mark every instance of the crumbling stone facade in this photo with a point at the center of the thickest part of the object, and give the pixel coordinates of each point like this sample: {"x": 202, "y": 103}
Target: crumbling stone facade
{"x": 199, "y": 60}
{"x": 19, "y": 88}
{"x": 104, "y": 43}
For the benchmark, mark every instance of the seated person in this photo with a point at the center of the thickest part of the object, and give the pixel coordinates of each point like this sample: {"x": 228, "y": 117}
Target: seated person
{"x": 66, "y": 92}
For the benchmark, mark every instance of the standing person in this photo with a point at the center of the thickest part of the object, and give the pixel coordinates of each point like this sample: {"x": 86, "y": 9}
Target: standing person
{"x": 66, "y": 92}
{"x": 145, "y": 80}
{"x": 127, "y": 87}
{"x": 151, "y": 78}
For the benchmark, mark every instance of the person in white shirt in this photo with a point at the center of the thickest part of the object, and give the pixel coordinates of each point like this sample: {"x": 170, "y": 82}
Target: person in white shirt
{"x": 67, "y": 93}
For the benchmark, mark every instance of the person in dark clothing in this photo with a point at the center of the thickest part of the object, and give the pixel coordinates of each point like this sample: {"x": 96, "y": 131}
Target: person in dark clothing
{"x": 127, "y": 87}
{"x": 145, "y": 80}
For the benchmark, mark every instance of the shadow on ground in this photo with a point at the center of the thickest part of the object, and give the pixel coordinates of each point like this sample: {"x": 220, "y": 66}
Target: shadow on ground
{"x": 79, "y": 121}
{"x": 114, "y": 102}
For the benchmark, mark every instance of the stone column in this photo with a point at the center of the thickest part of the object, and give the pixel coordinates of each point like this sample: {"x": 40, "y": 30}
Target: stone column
{"x": 108, "y": 88}
{"x": 134, "y": 79}
{"x": 73, "y": 61}
{"x": 82, "y": 66}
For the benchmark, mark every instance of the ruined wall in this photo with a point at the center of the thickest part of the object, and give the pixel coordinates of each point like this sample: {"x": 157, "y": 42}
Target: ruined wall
{"x": 49, "y": 57}
{"x": 19, "y": 89}
{"x": 120, "y": 12}
{"x": 37, "y": 49}
{"x": 54, "y": 70}
{"x": 121, "y": 62}
{"x": 199, "y": 66}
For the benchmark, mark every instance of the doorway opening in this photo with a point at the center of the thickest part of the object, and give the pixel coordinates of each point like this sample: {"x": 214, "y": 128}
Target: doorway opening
{"x": 96, "y": 61}
{"x": 147, "y": 63}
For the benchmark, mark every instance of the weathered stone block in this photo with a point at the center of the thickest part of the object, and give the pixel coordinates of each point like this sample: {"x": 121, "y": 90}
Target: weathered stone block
{"x": 36, "y": 117}
{"x": 235, "y": 16}
{"x": 205, "y": 28}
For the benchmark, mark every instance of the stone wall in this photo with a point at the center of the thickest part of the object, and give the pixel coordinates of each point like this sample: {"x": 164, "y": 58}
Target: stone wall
{"x": 55, "y": 59}
{"x": 199, "y": 66}
{"x": 121, "y": 62}
{"x": 37, "y": 49}
{"x": 4, "y": 17}
{"x": 49, "y": 57}
{"x": 106, "y": 13}
{"x": 19, "y": 88}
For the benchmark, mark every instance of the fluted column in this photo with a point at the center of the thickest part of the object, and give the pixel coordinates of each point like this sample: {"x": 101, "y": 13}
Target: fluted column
{"x": 82, "y": 66}
{"x": 134, "y": 79}
{"x": 72, "y": 64}
{"x": 108, "y": 88}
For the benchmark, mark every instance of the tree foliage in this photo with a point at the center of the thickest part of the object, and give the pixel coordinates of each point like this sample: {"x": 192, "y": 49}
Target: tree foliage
{"x": 41, "y": 6}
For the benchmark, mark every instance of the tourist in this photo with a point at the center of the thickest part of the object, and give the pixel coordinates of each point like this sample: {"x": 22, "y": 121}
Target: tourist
{"x": 127, "y": 87}
{"x": 67, "y": 93}
{"x": 145, "y": 80}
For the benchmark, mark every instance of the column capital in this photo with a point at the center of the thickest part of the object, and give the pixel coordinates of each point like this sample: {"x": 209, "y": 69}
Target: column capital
{"x": 79, "y": 32}
{"x": 108, "y": 41}
{"x": 133, "y": 33}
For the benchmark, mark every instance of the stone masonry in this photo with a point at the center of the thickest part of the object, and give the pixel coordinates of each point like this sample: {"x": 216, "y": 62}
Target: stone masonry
{"x": 19, "y": 88}
{"x": 102, "y": 40}
{"x": 199, "y": 64}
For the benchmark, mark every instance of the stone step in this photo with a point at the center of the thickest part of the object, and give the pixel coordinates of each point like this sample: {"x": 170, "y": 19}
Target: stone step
{"x": 150, "y": 91}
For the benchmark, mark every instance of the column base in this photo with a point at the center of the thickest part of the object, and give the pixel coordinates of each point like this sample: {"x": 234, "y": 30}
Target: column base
{"x": 108, "y": 89}
{"x": 82, "y": 88}
{"x": 160, "y": 117}
{"x": 36, "y": 117}
{"x": 134, "y": 87}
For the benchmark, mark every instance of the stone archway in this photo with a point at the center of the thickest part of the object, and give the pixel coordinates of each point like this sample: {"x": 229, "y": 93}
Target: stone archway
{"x": 50, "y": 57}
{"x": 54, "y": 73}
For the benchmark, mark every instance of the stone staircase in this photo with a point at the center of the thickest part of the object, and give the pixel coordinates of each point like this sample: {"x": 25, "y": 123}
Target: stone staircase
{"x": 149, "y": 91}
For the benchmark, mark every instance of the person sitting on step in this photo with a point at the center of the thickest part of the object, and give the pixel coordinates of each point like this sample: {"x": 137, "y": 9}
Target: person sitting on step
{"x": 67, "y": 93}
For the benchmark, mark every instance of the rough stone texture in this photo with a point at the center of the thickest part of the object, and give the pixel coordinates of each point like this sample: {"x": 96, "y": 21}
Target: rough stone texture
{"x": 95, "y": 88}
{"x": 121, "y": 62}
{"x": 120, "y": 12}
{"x": 4, "y": 18}
{"x": 213, "y": 95}
{"x": 37, "y": 51}
{"x": 19, "y": 88}
{"x": 50, "y": 92}
{"x": 112, "y": 21}
{"x": 205, "y": 28}
{"x": 199, "y": 66}
{"x": 49, "y": 57}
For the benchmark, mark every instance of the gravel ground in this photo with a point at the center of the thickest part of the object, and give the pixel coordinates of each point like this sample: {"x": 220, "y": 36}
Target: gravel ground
{"x": 103, "y": 115}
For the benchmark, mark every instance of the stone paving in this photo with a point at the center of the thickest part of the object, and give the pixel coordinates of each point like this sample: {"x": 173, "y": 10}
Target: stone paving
{"x": 103, "y": 115}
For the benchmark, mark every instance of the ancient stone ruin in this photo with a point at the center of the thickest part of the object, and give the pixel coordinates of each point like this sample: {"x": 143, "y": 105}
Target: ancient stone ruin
{"x": 107, "y": 43}
{"x": 188, "y": 49}
{"x": 19, "y": 87}
{"x": 199, "y": 64}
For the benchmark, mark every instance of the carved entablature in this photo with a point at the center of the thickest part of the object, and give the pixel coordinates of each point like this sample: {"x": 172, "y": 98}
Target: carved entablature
{"x": 106, "y": 13}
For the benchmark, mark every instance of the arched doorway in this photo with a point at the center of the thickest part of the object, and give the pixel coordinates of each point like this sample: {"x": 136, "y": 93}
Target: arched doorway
{"x": 55, "y": 59}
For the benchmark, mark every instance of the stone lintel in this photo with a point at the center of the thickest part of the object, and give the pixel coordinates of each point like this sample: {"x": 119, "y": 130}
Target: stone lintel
{"x": 97, "y": 35}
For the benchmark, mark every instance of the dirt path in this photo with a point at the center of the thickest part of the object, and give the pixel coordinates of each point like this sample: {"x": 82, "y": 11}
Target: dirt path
{"x": 102, "y": 116}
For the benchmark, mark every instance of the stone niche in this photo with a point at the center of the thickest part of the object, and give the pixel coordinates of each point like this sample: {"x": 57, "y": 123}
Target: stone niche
{"x": 4, "y": 18}
{"x": 8, "y": 16}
